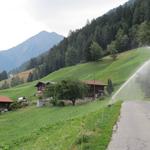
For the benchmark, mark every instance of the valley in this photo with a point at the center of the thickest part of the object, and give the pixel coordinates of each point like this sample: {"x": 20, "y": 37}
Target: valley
{"x": 121, "y": 69}
{"x": 86, "y": 90}
{"x": 48, "y": 126}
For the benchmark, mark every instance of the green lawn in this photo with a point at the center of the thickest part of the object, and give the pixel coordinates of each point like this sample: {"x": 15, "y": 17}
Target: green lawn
{"x": 84, "y": 127}
{"x": 119, "y": 71}
{"x": 66, "y": 128}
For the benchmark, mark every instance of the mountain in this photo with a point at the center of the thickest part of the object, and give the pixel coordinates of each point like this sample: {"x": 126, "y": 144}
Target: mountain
{"x": 131, "y": 2}
{"x": 34, "y": 46}
{"x": 123, "y": 28}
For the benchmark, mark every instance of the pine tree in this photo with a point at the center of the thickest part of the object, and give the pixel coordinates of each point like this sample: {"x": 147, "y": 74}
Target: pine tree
{"x": 112, "y": 50}
{"x": 110, "y": 88}
{"x": 96, "y": 52}
{"x": 3, "y": 75}
{"x": 71, "y": 57}
{"x": 144, "y": 34}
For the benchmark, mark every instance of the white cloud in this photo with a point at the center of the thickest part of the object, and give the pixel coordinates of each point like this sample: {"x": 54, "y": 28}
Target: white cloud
{"x": 20, "y": 19}
{"x": 16, "y": 25}
{"x": 65, "y": 15}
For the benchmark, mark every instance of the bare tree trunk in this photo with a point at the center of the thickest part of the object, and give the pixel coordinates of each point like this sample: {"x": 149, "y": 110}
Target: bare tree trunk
{"x": 73, "y": 102}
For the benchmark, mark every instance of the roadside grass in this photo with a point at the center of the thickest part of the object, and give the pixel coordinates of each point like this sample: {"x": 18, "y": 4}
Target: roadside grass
{"x": 70, "y": 128}
{"x": 20, "y": 123}
{"x": 119, "y": 71}
{"x": 97, "y": 130}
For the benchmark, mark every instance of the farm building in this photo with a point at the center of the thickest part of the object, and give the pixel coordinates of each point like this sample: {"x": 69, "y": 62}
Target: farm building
{"x": 4, "y": 102}
{"x": 96, "y": 88}
{"x": 41, "y": 86}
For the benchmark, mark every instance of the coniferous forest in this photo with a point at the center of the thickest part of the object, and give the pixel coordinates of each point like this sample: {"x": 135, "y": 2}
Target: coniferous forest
{"x": 121, "y": 29}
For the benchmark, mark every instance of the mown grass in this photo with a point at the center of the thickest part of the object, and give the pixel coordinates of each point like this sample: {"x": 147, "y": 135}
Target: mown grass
{"x": 59, "y": 128}
{"x": 82, "y": 127}
{"x": 119, "y": 71}
{"x": 14, "y": 125}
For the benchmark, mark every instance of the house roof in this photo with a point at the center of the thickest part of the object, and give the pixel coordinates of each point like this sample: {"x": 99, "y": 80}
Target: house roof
{"x": 44, "y": 83}
{"x": 39, "y": 83}
{"x": 94, "y": 82}
{"x": 4, "y": 99}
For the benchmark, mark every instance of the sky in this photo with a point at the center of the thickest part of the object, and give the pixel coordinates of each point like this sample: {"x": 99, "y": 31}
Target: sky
{"x": 21, "y": 19}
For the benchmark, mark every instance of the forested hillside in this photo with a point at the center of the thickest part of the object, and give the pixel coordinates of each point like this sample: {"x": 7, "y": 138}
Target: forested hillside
{"x": 121, "y": 29}
{"x": 119, "y": 71}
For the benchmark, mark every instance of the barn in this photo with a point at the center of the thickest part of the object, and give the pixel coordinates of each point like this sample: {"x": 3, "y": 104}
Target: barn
{"x": 41, "y": 86}
{"x": 96, "y": 88}
{"x": 4, "y": 102}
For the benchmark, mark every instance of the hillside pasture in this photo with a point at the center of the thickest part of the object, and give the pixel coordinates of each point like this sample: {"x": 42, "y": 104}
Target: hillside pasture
{"x": 57, "y": 128}
{"x": 119, "y": 71}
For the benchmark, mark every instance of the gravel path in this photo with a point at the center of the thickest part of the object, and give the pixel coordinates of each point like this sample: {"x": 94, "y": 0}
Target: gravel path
{"x": 132, "y": 131}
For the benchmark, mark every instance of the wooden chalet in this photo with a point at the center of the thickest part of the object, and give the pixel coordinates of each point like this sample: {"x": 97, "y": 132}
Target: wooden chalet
{"x": 96, "y": 88}
{"x": 4, "y": 102}
{"x": 41, "y": 86}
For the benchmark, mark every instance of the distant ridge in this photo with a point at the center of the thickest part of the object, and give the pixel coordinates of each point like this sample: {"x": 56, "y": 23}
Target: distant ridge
{"x": 32, "y": 47}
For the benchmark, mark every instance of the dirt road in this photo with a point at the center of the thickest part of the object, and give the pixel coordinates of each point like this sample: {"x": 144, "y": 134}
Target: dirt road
{"x": 133, "y": 128}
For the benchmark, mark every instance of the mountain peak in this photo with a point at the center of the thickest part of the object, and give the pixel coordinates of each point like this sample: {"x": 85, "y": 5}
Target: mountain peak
{"x": 32, "y": 47}
{"x": 48, "y": 34}
{"x": 44, "y": 32}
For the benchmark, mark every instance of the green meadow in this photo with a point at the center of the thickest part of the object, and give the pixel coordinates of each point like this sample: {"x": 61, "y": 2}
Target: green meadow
{"x": 83, "y": 127}
{"x": 87, "y": 126}
{"x": 119, "y": 71}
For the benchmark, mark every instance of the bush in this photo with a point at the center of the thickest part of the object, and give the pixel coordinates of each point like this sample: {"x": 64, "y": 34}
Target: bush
{"x": 15, "y": 105}
{"x": 53, "y": 102}
{"x": 33, "y": 103}
{"x": 40, "y": 97}
{"x": 102, "y": 98}
{"x": 61, "y": 103}
{"x": 84, "y": 138}
{"x": 4, "y": 147}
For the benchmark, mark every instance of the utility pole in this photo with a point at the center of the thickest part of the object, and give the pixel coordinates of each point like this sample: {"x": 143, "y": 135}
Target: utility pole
{"x": 94, "y": 86}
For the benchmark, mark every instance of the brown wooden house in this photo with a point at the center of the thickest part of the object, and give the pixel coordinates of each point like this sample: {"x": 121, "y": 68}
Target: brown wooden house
{"x": 4, "y": 102}
{"x": 96, "y": 88}
{"x": 41, "y": 86}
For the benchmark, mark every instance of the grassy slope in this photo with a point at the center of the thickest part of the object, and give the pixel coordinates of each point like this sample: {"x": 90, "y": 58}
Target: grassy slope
{"x": 84, "y": 126}
{"x": 118, "y": 71}
{"x": 22, "y": 75}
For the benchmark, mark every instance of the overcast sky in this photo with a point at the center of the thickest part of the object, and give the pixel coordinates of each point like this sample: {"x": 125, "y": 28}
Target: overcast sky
{"x": 20, "y": 19}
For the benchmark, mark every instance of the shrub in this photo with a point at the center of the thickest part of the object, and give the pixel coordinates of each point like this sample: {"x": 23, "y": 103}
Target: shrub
{"x": 84, "y": 138}
{"x": 102, "y": 98}
{"x": 61, "y": 103}
{"x": 53, "y": 102}
{"x": 15, "y": 105}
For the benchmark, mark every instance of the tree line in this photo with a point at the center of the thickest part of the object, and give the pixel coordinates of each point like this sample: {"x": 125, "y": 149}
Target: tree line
{"x": 3, "y": 75}
{"x": 11, "y": 82}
